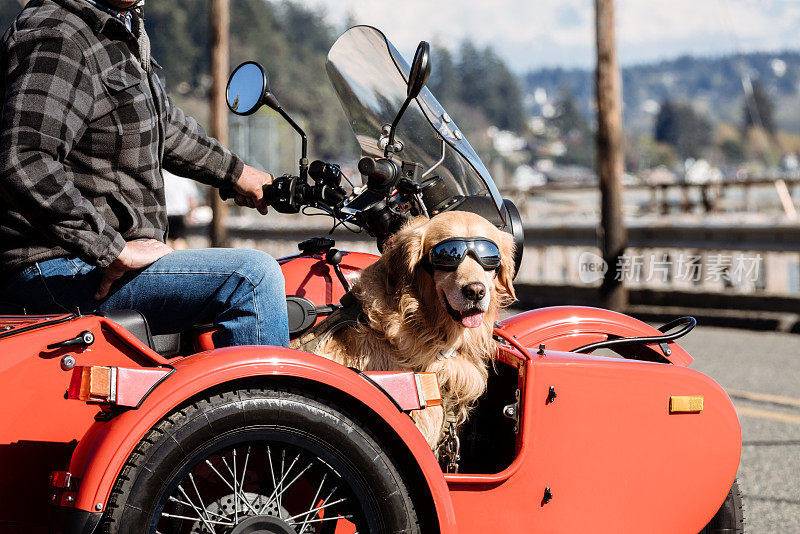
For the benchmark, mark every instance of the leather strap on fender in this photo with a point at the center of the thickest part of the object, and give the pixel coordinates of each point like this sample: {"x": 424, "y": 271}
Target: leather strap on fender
{"x": 349, "y": 314}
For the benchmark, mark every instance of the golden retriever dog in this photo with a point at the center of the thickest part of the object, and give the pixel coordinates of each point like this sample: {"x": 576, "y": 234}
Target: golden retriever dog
{"x": 418, "y": 317}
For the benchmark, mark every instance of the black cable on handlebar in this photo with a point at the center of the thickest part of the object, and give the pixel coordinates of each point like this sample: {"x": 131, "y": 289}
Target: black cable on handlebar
{"x": 690, "y": 323}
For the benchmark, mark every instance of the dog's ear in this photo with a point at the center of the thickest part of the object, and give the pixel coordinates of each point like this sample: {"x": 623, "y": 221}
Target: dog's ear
{"x": 505, "y": 276}
{"x": 403, "y": 252}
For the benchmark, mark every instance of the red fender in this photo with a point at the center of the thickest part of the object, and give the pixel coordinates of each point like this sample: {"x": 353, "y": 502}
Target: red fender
{"x": 101, "y": 453}
{"x": 566, "y": 328}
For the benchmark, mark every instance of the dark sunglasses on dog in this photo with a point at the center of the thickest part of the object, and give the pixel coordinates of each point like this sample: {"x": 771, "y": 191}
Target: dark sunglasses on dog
{"x": 447, "y": 255}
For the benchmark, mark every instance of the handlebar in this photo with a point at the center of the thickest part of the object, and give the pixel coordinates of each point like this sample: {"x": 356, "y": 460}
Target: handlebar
{"x": 289, "y": 194}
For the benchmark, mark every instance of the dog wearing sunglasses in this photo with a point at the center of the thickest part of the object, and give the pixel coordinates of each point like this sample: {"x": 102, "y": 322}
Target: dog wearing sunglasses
{"x": 429, "y": 304}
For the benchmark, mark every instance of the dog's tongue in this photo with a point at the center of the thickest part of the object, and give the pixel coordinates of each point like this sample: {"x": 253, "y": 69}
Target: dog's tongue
{"x": 472, "y": 319}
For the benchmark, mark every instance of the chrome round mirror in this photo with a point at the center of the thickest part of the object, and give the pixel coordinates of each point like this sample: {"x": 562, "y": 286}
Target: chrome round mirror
{"x": 246, "y": 88}
{"x": 420, "y": 70}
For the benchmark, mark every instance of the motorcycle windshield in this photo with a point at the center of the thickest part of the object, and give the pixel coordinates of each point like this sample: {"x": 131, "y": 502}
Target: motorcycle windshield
{"x": 370, "y": 78}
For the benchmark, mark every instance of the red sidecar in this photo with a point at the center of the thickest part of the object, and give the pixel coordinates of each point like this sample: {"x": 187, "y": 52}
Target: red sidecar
{"x": 106, "y": 428}
{"x": 265, "y": 439}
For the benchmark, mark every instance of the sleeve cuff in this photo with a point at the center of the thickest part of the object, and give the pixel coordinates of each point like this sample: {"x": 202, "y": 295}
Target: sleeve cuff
{"x": 234, "y": 171}
{"x": 113, "y": 245}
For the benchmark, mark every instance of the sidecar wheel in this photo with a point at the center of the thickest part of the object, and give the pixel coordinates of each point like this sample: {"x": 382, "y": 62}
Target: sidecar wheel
{"x": 730, "y": 516}
{"x": 260, "y": 460}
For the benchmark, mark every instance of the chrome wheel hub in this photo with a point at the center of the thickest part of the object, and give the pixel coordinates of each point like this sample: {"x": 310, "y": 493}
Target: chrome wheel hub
{"x": 262, "y": 524}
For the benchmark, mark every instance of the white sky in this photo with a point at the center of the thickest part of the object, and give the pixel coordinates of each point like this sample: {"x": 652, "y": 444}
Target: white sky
{"x": 535, "y": 33}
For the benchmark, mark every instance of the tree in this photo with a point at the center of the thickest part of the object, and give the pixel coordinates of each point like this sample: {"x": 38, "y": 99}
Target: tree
{"x": 263, "y": 32}
{"x": 179, "y": 43}
{"x": 680, "y": 126}
{"x": 444, "y": 82}
{"x": 758, "y": 109}
{"x": 574, "y": 130}
{"x": 568, "y": 119}
{"x": 487, "y": 84}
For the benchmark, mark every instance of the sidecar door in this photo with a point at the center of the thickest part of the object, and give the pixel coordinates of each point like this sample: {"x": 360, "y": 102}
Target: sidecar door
{"x": 604, "y": 452}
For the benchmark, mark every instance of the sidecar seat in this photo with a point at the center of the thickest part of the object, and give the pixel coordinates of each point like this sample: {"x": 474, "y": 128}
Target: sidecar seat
{"x": 134, "y": 322}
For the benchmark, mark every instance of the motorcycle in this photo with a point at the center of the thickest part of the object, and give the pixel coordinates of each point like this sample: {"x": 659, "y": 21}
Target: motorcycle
{"x": 170, "y": 434}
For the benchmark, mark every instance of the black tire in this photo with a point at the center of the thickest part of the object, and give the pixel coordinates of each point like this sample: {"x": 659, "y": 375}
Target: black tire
{"x": 729, "y": 519}
{"x": 173, "y": 480}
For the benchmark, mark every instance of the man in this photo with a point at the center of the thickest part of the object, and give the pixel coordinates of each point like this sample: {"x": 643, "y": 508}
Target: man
{"x": 85, "y": 131}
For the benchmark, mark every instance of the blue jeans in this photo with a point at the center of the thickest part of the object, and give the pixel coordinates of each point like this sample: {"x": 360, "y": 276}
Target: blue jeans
{"x": 240, "y": 291}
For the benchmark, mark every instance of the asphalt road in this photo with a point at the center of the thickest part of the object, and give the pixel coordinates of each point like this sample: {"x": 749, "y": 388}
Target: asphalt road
{"x": 749, "y": 365}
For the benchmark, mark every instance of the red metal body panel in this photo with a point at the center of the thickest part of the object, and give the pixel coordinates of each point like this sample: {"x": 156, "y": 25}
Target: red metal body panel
{"x": 311, "y": 277}
{"x": 566, "y": 328}
{"x": 99, "y": 457}
{"x": 32, "y": 377}
{"x": 38, "y": 427}
{"x": 612, "y": 455}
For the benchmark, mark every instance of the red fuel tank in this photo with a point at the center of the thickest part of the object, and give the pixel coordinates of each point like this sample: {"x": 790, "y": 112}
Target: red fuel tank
{"x": 311, "y": 277}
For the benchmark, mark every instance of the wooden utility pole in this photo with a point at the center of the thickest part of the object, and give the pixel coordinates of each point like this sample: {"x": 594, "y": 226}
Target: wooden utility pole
{"x": 610, "y": 163}
{"x": 220, "y": 25}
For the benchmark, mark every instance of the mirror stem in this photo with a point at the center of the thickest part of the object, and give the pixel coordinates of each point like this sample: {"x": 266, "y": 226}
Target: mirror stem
{"x": 390, "y": 145}
{"x": 304, "y": 149}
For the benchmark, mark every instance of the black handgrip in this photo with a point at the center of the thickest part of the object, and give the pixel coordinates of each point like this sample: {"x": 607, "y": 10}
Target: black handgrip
{"x": 380, "y": 173}
{"x": 227, "y": 193}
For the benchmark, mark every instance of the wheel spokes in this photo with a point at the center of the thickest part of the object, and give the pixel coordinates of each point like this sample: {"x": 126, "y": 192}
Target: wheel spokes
{"x": 209, "y": 512}
{"x": 283, "y": 489}
{"x": 234, "y": 489}
{"x": 202, "y": 517}
{"x": 231, "y": 494}
{"x": 320, "y": 507}
{"x": 279, "y": 485}
{"x": 316, "y": 495}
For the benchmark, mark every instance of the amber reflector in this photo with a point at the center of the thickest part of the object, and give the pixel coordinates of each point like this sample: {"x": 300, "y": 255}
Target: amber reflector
{"x": 429, "y": 386}
{"x": 91, "y": 384}
{"x": 686, "y": 404}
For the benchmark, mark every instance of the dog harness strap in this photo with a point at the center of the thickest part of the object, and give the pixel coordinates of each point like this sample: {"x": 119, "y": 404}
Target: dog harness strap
{"x": 348, "y": 314}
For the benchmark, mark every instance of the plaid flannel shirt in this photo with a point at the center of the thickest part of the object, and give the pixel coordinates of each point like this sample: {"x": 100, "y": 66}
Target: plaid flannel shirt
{"x": 84, "y": 134}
